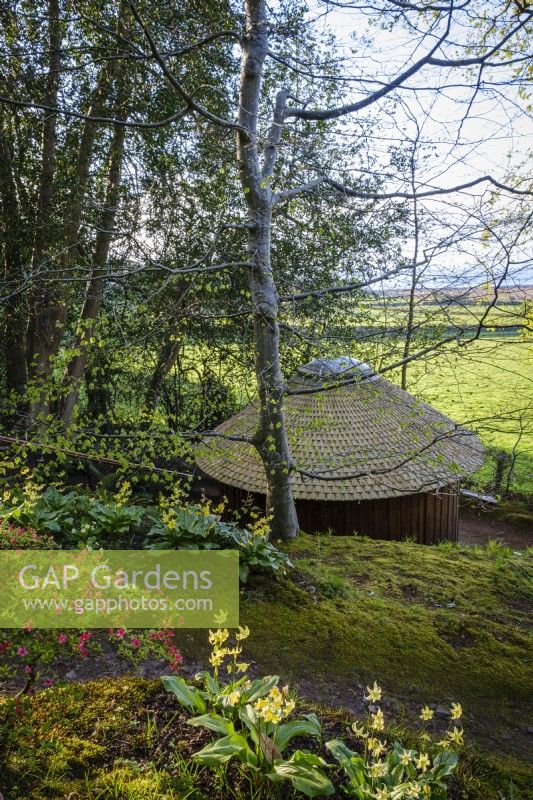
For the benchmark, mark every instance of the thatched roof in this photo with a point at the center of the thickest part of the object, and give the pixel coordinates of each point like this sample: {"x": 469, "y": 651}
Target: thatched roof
{"x": 362, "y": 436}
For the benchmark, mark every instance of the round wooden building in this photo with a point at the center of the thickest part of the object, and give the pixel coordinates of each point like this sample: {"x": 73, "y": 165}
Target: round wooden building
{"x": 380, "y": 462}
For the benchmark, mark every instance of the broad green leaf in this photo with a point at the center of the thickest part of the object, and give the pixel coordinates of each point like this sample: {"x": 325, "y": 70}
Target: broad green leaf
{"x": 188, "y": 696}
{"x": 308, "y": 725}
{"x": 248, "y": 716}
{"x": 215, "y": 722}
{"x": 260, "y": 687}
{"x": 306, "y": 778}
{"x": 445, "y": 763}
{"x": 352, "y": 763}
{"x": 209, "y": 682}
{"x": 223, "y": 750}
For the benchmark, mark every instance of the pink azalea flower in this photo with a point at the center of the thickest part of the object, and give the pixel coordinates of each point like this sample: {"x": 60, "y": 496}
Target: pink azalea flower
{"x": 135, "y": 642}
{"x": 48, "y": 683}
{"x": 27, "y": 669}
{"x": 22, "y": 651}
{"x": 62, "y": 638}
{"x": 120, "y": 633}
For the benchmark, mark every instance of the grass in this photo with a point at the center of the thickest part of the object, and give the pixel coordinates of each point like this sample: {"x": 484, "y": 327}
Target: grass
{"x": 489, "y": 384}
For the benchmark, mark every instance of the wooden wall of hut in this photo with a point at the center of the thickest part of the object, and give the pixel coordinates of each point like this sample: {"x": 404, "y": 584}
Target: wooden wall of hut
{"x": 427, "y": 518}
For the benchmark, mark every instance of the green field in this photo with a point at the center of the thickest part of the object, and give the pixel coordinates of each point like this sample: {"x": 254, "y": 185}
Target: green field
{"x": 488, "y": 386}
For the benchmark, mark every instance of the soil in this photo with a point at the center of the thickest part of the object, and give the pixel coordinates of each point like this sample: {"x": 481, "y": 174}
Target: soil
{"x": 479, "y": 527}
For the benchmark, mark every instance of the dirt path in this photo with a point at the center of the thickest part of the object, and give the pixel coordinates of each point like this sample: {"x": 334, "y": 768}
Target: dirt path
{"x": 479, "y": 528}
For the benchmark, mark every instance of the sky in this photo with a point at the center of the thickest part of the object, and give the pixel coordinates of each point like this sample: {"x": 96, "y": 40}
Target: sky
{"x": 493, "y": 138}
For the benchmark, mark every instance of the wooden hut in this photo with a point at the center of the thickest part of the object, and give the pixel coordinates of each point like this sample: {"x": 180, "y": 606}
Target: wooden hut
{"x": 384, "y": 464}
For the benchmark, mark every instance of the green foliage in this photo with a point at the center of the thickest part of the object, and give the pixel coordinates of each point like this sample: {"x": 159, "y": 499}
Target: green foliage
{"x": 76, "y": 519}
{"x": 386, "y": 771}
{"x": 248, "y": 716}
{"x": 193, "y": 528}
{"x": 119, "y": 738}
{"x": 395, "y": 775}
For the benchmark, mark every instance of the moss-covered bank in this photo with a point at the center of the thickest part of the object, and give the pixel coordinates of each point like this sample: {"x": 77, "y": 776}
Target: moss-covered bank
{"x": 431, "y": 624}
{"x": 127, "y": 739}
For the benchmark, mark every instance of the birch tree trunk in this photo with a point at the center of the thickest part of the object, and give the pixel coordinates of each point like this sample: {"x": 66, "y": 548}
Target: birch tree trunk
{"x": 271, "y": 435}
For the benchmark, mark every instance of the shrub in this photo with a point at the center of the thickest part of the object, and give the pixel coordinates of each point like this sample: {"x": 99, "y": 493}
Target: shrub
{"x": 76, "y": 519}
{"x": 196, "y": 527}
{"x": 25, "y": 653}
{"x": 16, "y": 537}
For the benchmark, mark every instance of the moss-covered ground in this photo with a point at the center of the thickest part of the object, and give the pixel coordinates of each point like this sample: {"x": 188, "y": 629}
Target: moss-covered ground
{"x": 430, "y": 624}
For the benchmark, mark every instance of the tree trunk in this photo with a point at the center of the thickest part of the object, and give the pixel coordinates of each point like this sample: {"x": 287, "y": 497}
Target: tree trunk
{"x": 36, "y": 354}
{"x": 15, "y": 318}
{"x": 165, "y": 361}
{"x": 271, "y": 435}
{"x": 414, "y": 282}
{"x": 50, "y": 308}
{"x": 95, "y": 286}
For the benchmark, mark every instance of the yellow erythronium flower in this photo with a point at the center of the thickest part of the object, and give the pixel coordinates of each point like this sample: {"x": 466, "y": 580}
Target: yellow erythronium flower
{"x": 219, "y": 636}
{"x": 444, "y": 743}
{"x": 233, "y": 698}
{"x": 378, "y": 769}
{"x": 243, "y": 633}
{"x": 374, "y": 693}
{"x": 382, "y": 794}
{"x": 456, "y": 711}
{"x": 274, "y": 707}
{"x": 426, "y": 790}
{"x": 413, "y": 790}
{"x": 456, "y": 735}
{"x": 405, "y": 758}
{"x": 422, "y": 762}
{"x": 427, "y": 713}
{"x": 376, "y": 747}
{"x": 359, "y": 730}
{"x": 217, "y": 657}
{"x": 378, "y": 722}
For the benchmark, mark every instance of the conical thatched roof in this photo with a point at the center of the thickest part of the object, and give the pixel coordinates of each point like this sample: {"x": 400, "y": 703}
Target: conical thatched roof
{"x": 373, "y": 438}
